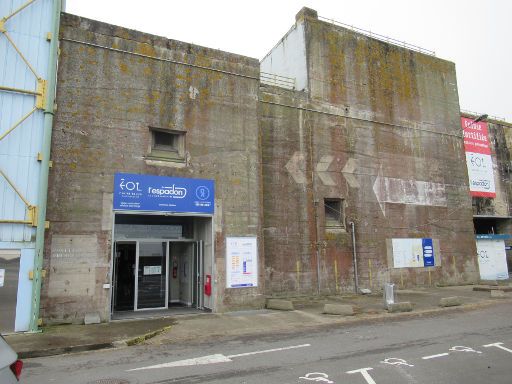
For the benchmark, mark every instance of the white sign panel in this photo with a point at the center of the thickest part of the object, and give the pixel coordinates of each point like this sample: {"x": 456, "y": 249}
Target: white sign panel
{"x": 413, "y": 253}
{"x": 241, "y": 262}
{"x": 2, "y": 277}
{"x": 481, "y": 174}
{"x": 152, "y": 270}
{"x": 492, "y": 259}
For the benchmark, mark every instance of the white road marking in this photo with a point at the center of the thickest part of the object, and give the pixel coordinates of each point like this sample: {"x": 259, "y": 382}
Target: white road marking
{"x": 498, "y": 345}
{"x": 318, "y": 376}
{"x": 213, "y": 359}
{"x": 460, "y": 348}
{"x": 364, "y": 372}
{"x": 435, "y": 356}
{"x": 269, "y": 350}
{"x": 396, "y": 361}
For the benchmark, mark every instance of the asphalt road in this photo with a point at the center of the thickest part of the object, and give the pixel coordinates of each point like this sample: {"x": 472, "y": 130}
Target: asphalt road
{"x": 464, "y": 347}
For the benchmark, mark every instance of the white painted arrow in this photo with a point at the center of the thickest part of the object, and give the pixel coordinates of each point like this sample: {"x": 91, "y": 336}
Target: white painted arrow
{"x": 297, "y": 166}
{"x": 413, "y": 192}
{"x": 214, "y": 359}
{"x": 348, "y": 173}
{"x": 321, "y": 170}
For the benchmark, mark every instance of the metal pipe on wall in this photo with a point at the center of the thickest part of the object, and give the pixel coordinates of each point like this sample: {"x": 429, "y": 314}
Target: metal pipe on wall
{"x": 354, "y": 256}
{"x": 45, "y": 166}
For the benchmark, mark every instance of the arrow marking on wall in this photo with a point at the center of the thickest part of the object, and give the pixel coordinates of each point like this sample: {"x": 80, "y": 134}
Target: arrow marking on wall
{"x": 214, "y": 359}
{"x": 296, "y": 166}
{"x": 413, "y": 192}
{"x": 348, "y": 173}
{"x": 321, "y": 170}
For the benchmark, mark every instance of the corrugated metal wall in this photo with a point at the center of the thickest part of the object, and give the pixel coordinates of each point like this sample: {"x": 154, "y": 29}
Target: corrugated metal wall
{"x": 28, "y": 31}
{"x": 18, "y": 150}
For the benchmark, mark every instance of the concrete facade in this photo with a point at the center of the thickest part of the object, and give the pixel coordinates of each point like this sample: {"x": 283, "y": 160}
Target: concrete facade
{"x": 114, "y": 85}
{"x": 379, "y": 129}
{"x": 372, "y": 130}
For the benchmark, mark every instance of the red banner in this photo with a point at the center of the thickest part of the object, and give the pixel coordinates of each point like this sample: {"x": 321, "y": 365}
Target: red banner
{"x": 476, "y": 138}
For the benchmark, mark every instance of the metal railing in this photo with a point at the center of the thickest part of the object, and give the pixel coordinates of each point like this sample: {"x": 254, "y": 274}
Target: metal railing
{"x": 489, "y": 117}
{"x": 277, "y": 80}
{"x": 377, "y": 36}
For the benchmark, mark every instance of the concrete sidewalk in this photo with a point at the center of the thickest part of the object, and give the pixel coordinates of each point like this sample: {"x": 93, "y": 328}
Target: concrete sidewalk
{"x": 308, "y": 313}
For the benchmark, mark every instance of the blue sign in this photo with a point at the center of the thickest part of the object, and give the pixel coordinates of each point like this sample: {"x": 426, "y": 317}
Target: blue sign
{"x": 164, "y": 194}
{"x": 428, "y": 252}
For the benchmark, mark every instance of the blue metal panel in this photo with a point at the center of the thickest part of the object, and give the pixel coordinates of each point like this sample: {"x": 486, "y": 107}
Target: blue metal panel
{"x": 22, "y": 321}
{"x": 505, "y": 236}
{"x": 18, "y": 151}
{"x": 134, "y": 192}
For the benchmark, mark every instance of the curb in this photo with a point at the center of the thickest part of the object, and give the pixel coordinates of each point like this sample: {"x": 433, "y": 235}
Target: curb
{"x": 344, "y": 321}
{"x": 91, "y": 347}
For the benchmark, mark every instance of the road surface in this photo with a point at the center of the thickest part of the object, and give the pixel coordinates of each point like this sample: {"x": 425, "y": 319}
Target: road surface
{"x": 470, "y": 347}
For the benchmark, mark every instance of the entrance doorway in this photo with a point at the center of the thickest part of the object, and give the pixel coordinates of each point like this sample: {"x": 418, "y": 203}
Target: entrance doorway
{"x": 157, "y": 274}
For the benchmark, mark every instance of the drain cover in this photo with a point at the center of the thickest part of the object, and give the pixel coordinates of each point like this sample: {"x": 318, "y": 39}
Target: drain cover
{"x": 109, "y": 381}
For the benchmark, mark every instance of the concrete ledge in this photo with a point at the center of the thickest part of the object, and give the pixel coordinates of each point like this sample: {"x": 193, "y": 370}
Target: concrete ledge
{"x": 488, "y": 282}
{"x": 492, "y": 288}
{"x": 280, "y": 304}
{"x": 338, "y": 309}
{"x": 404, "y": 306}
{"x": 498, "y": 294}
{"x": 452, "y": 301}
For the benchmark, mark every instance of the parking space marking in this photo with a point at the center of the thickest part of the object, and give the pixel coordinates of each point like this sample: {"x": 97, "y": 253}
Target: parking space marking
{"x": 317, "y": 376}
{"x": 461, "y": 348}
{"x": 364, "y": 372}
{"x": 396, "y": 361}
{"x": 499, "y": 345}
{"x": 435, "y": 356}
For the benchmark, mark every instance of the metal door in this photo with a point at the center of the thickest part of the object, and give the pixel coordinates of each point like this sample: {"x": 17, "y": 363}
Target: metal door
{"x": 199, "y": 270}
{"x": 151, "y": 275}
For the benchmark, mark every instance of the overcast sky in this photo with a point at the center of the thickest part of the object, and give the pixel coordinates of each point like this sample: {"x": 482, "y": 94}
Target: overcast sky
{"x": 475, "y": 34}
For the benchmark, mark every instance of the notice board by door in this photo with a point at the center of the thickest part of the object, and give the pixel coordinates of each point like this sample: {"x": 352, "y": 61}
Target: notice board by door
{"x": 9, "y": 273}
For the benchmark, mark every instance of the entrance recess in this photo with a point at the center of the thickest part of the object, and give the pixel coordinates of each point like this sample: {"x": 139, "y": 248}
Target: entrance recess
{"x": 157, "y": 274}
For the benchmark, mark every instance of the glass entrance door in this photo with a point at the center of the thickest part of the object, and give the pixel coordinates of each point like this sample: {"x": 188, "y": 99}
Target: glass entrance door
{"x": 151, "y": 280}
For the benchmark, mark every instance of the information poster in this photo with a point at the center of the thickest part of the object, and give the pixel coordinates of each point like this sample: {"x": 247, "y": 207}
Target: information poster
{"x": 492, "y": 259}
{"x": 413, "y": 253}
{"x": 478, "y": 158}
{"x": 241, "y": 262}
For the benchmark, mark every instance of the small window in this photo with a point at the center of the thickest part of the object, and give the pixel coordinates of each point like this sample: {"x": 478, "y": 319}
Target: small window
{"x": 334, "y": 213}
{"x": 167, "y": 145}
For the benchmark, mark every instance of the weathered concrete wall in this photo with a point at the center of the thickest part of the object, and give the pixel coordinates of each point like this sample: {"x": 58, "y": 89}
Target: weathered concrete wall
{"x": 500, "y": 139}
{"x": 107, "y": 98}
{"x": 380, "y": 128}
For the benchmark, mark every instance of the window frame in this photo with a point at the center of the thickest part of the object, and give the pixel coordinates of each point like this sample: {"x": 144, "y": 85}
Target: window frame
{"x": 174, "y": 152}
{"x": 329, "y": 220}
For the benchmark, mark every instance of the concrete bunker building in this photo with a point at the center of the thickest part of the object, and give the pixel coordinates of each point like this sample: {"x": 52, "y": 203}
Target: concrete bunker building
{"x": 186, "y": 177}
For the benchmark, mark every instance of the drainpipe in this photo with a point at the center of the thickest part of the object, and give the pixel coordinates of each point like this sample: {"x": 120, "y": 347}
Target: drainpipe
{"x": 45, "y": 165}
{"x": 354, "y": 257}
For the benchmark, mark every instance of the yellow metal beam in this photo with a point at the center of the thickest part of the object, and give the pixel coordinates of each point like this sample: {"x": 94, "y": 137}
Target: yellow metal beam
{"x": 18, "y": 10}
{"x": 8, "y": 221}
{"x": 17, "y": 124}
{"x": 18, "y": 90}
{"x": 41, "y": 97}
{"x": 21, "y": 55}
{"x": 15, "y": 189}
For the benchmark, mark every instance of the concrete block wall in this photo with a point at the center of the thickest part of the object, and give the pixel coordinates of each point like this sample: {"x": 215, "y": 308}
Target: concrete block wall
{"x": 380, "y": 129}
{"x": 115, "y": 83}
